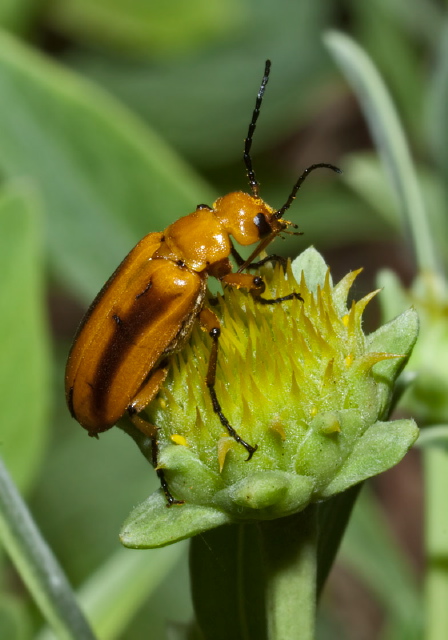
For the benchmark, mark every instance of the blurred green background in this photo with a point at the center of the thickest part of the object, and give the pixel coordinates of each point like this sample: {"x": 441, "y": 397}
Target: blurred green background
{"x": 116, "y": 118}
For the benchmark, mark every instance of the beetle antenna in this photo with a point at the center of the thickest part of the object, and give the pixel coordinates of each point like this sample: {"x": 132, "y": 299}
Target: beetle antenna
{"x": 298, "y": 184}
{"x": 248, "y": 141}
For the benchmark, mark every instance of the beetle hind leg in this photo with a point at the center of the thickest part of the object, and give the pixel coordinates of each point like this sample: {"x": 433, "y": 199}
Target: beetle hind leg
{"x": 142, "y": 400}
{"x": 151, "y": 430}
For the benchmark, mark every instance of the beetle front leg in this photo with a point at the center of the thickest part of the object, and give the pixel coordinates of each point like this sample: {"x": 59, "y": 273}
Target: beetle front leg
{"x": 270, "y": 258}
{"x": 256, "y": 286}
{"x": 211, "y": 324}
{"x": 255, "y": 265}
{"x": 257, "y": 295}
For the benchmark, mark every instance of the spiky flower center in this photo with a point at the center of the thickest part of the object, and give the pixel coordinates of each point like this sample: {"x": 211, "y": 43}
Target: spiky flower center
{"x": 279, "y": 367}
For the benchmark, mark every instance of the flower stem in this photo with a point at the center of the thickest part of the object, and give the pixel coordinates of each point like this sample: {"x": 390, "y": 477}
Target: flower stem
{"x": 37, "y": 565}
{"x": 436, "y": 583}
{"x": 290, "y": 557}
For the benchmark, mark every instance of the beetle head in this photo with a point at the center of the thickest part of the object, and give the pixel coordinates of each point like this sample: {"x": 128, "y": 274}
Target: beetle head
{"x": 247, "y": 218}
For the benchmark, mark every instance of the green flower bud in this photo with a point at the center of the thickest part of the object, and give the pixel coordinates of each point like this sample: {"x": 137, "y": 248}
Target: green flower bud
{"x": 298, "y": 379}
{"x": 427, "y": 396}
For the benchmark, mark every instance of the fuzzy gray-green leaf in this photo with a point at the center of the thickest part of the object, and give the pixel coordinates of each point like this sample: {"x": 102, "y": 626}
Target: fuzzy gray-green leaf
{"x": 382, "y": 446}
{"x": 153, "y": 524}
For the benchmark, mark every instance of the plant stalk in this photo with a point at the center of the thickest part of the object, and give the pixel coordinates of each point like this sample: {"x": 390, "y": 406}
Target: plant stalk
{"x": 436, "y": 532}
{"x": 290, "y": 557}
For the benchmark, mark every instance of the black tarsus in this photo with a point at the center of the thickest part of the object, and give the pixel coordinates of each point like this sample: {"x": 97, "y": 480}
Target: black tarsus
{"x": 290, "y": 296}
{"x": 161, "y": 475}
{"x": 225, "y": 423}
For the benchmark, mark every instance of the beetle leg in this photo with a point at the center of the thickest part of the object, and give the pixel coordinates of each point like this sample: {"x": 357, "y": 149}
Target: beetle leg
{"x": 290, "y": 296}
{"x": 151, "y": 430}
{"x": 236, "y": 256}
{"x": 211, "y": 324}
{"x": 270, "y": 258}
{"x": 255, "y": 265}
{"x": 148, "y": 391}
{"x": 142, "y": 400}
{"x": 161, "y": 475}
{"x": 256, "y": 286}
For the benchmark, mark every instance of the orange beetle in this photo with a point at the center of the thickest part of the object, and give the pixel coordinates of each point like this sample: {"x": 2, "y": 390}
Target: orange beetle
{"x": 147, "y": 308}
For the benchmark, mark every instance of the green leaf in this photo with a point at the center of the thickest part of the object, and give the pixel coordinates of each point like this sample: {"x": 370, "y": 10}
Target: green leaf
{"x": 142, "y": 26}
{"x": 203, "y": 103}
{"x": 416, "y": 17}
{"x": 437, "y": 100}
{"x": 112, "y": 595}
{"x": 15, "y": 623}
{"x": 152, "y": 524}
{"x": 380, "y": 26}
{"x": 15, "y": 15}
{"x": 380, "y": 448}
{"x": 366, "y": 176}
{"x": 37, "y": 565}
{"x": 106, "y": 180}
{"x": 24, "y": 365}
{"x": 112, "y": 473}
{"x": 182, "y": 631}
{"x": 389, "y": 138}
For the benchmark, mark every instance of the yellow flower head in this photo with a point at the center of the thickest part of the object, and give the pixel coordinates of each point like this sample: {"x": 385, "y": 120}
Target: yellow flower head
{"x": 300, "y": 380}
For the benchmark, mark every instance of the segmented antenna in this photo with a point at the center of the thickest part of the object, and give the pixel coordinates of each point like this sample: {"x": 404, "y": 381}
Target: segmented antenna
{"x": 321, "y": 165}
{"x": 248, "y": 141}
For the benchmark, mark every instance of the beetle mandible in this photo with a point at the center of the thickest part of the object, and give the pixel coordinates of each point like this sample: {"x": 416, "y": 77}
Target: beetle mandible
{"x": 146, "y": 310}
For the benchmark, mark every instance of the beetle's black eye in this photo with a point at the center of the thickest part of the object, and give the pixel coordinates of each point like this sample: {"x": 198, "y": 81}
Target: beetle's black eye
{"x": 263, "y": 226}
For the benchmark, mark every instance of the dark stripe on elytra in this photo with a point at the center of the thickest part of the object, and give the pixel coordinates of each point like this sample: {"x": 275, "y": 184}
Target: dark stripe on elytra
{"x": 71, "y": 408}
{"x": 140, "y": 317}
{"x": 145, "y": 290}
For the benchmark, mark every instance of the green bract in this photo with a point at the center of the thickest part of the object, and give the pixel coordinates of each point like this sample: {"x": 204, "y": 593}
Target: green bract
{"x": 298, "y": 379}
{"x": 427, "y": 397}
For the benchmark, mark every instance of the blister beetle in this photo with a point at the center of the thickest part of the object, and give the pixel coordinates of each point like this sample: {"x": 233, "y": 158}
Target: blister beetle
{"x": 146, "y": 310}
